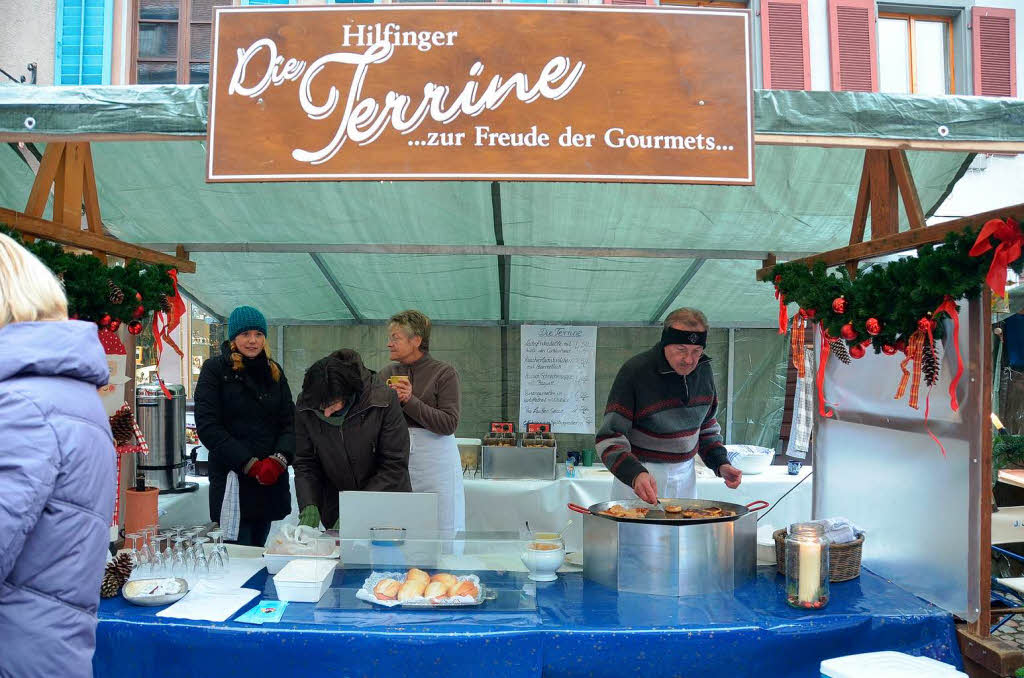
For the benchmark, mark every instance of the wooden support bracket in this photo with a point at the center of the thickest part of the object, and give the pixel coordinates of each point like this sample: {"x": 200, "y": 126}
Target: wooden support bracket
{"x": 906, "y": 240}
{"x": 58, "y": 233}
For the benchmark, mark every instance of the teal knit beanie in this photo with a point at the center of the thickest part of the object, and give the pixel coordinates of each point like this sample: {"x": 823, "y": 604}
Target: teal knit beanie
{"x": 243, "y": 319}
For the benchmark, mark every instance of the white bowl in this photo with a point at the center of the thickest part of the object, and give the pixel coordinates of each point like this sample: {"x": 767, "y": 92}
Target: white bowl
{"x": 752, "y": 464}
{"x": 543, "y": 564}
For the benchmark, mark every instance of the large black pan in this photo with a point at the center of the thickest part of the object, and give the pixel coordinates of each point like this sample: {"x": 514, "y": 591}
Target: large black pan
{"x": 657, "y": 516}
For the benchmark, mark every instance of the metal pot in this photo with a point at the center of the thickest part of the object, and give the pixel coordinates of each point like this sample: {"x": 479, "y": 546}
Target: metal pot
{"x": 663, "y": 556}
{"x": 162, "y": 422}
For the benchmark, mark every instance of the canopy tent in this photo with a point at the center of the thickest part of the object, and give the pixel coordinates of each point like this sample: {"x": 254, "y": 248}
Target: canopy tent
{"x": 496, "y": 252}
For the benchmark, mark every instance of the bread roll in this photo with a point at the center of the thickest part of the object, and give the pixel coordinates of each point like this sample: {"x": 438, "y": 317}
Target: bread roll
{"x": 463, "y": 588}
{"x": 447, "y": 579}
{"x": 386, "y": 589}
{"x": 411, "y": 589}
{"x": 435, "y": 589}
{"x": 419, "y": 575}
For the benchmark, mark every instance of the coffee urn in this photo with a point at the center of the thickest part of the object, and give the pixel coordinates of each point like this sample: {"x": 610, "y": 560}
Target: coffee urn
{"x": 162, "y": 421}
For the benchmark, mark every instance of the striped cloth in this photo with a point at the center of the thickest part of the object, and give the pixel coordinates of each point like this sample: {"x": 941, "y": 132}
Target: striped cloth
{"x": 230, "y": 511}
{"x": 655, "y": 415}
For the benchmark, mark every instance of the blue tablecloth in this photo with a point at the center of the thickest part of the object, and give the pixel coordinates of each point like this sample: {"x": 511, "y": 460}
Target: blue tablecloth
{"x": 576, "y": 628}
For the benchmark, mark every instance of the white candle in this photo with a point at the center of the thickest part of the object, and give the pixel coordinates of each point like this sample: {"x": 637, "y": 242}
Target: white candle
{"x": 810, "y": 572}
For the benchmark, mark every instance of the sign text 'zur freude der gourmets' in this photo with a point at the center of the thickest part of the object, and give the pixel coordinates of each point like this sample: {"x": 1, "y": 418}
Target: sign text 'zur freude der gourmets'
{"x": 481, "y": 92}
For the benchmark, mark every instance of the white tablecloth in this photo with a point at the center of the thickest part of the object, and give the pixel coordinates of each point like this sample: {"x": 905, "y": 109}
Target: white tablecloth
{"x": 506, "y": 505}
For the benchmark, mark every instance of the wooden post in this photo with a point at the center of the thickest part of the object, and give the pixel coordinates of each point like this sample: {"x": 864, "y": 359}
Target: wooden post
{"x": 884, "y": 211}
{"x": 981, "y": 627}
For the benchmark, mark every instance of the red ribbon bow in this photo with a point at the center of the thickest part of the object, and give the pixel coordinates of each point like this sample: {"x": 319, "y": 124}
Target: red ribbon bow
{"x": 170, "y": 323}
{"x": 1007, "y": 251}
{"x": 825, "y": 350}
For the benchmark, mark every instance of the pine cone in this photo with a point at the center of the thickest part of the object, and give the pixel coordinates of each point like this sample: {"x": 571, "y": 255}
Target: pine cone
{"x": 115, "y": 575}
{"x": 930, "y": 365}
{"x": 838, "y": 349}
{"x": 116, "y": 293}
{"x": 121, "y": 427}
{"x": 165, "y": 304}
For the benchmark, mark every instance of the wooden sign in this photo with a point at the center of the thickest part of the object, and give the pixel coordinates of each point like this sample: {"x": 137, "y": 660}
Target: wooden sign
{"x": 553, "y": 93}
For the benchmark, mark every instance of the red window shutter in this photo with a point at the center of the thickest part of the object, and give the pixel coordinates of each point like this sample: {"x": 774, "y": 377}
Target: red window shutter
{"x": 785, "y": 50}
{"x": 629, "y": 2}
{"x": 995, "y": 51}
{"x": 851, "y": 28}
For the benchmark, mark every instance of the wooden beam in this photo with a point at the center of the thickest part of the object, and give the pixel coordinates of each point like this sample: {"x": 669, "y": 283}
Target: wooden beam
{"x": 997, "y": 656}
{"x": 48, "y": 230}
{"x": 966, "y": 146}
{"x": 885, "y": 214}
{"x": 981, "y": 627}
{"x": 908, "y": 189}
{"x": 860, "y": 213}
{"x": 904, "y": 241}
{"x": 44, "y": 179}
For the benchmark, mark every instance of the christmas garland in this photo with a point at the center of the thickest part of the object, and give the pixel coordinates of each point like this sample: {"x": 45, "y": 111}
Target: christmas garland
{"x": 106, "y": 295}
{"x": 884, "y": 304}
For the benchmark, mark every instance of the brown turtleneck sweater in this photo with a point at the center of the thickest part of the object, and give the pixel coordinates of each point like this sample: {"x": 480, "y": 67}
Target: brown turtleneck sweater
{"x": 435, "y": 400}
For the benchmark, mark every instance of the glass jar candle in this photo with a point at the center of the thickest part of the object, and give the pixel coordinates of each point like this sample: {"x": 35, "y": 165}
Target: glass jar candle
{"x": 807, "y": 581}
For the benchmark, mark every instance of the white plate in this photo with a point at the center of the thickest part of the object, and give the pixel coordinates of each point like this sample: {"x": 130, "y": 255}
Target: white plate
{"x": 575, "y": 558}
{"x": 152, "y": 600}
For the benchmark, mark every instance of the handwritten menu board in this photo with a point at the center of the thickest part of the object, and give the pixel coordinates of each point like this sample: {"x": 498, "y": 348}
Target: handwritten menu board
{"x": 557, "y": 377}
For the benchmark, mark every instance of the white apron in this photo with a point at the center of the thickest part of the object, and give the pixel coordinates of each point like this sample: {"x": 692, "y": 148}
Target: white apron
{"x": 435, "y": 466}
{"x": 675, "y": 481}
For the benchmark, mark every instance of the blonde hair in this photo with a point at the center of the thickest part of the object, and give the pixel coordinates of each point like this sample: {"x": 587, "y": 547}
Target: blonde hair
{"x": 29, "y": 291}
{"x": 237, "y": 365}
{"x": 690, "y": 318}
{"x": 416, "y": 324}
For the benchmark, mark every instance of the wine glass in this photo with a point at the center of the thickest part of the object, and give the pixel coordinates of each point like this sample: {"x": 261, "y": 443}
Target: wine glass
{"x": 179, "y": 564}
{"x": 200, "y": 565}
{"x": 219, "y": 546}
{"x": 133, "y": 553}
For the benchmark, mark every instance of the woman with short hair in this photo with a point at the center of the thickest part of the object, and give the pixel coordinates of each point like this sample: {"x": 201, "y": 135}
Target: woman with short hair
{"x": 246, "y": 419}
{"x": 429, "y": 392}
{"x": 57, "y": 474}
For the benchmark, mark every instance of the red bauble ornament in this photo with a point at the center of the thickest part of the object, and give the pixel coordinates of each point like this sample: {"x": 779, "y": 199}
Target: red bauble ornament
{"x": 810, "y": 312}
{"x": 856, "y": 351}
{"x": 139, "y": 312}
{"x": 135, "y": 327}
{"x": 873, "y": 326}
{"x": 778, "y": 279}
{"x": 901, "y": 345}
{"x": 114, "y": 325}
{"x": 138, "y": 296}
{"x": 926, "y": 324}
{"x": 848, "y": 332}
{"x": 104, "y": 320}
{"x": 839, "y": 305}
{"x": 888, "y": 350}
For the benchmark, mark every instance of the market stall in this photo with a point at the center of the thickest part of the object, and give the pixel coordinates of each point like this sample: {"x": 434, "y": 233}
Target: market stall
{"x": 320, "y": 257}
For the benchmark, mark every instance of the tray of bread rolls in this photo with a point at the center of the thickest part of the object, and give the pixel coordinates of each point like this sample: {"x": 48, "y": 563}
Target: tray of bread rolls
{"x": 419, "y": 589}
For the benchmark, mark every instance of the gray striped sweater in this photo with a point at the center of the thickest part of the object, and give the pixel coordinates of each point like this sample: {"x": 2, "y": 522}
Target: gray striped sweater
{"x": 656, "y": 415}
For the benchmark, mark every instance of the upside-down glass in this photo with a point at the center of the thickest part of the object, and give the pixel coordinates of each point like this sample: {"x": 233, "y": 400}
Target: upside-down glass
{"x": 133, "y": 553}
{"x": 201, "y": 566}
{"x": 179, "y": 565}
{"x": 219, "y": 546}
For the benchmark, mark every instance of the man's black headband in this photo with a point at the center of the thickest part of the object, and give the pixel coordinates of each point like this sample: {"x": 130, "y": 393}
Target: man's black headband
{"x": 671, "y": 335}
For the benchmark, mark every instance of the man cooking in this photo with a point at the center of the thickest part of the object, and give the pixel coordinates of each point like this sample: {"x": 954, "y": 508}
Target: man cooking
{"x": 661, "y": 412}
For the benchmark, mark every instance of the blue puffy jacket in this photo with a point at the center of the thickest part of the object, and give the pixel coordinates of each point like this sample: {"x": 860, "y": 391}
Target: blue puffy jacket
{"x": 57, "y": 477}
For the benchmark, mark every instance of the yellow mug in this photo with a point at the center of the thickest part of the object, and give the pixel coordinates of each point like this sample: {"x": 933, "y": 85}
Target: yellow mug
{"x": 397, "y": 378}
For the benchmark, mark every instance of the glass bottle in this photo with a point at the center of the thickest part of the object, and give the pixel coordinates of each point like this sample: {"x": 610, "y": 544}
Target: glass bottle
{"x": 807, "y": 579}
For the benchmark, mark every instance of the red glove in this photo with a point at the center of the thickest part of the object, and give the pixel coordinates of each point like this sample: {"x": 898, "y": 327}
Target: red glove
{"x": 268, "y": 470}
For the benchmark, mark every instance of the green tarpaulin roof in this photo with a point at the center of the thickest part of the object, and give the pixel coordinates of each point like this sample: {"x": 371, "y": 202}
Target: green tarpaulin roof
{"x": 153, "y": 191}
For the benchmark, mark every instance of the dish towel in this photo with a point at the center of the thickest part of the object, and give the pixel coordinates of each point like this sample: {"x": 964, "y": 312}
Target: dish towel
{"x": 803, "y": 412}
{"x": 229, "y": 508}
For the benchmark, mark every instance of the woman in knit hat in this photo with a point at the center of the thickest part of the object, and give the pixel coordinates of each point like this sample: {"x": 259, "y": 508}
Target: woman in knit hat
{"x": 349, "y": 435}
{"x": 246, "y": 419}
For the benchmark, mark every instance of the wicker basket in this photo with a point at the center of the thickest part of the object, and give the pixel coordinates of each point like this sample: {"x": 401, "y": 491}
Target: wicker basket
{"x": 843, "y": 559}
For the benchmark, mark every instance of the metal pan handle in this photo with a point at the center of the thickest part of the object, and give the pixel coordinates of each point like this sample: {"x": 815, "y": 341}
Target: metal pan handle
{"x": 578, "y": 509}
{"x": 757, "y": 505}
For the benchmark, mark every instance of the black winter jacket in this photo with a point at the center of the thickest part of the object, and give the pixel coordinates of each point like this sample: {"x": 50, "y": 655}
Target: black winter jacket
{"x": 240, "y": 416}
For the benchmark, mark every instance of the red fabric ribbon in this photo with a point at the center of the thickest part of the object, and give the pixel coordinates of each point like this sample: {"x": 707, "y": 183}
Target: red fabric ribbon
{"x": 1011, "y": 240}
{"x": 949, "y": 308}
{"x": 170, "y": 322}
{"x": 825, "y": 350}
{"x": 783, "y": 315}
{"x": 796, "y": 345}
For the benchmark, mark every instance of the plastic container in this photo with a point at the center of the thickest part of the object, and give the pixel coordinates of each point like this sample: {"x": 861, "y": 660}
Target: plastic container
{"x": 387, "y": 536}
{"x": 304, "y": 580}
{"x": 323, "y": 549}
{"x": 886, "y": 665}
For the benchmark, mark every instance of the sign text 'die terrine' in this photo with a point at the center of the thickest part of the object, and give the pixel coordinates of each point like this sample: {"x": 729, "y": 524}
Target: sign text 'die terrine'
{"x": 481, "y": 92}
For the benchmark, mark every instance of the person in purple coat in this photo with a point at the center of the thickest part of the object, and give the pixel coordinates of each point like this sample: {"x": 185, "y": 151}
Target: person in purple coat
{"x": 57, "y": 475}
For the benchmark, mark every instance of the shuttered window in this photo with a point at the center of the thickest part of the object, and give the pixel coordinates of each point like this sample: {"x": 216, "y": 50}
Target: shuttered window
{"x": 268, "y": 2}
{"x": 995, "y": 58}
{"x": 83, "y": 42}
{"x": 785, "y": 50}
{"x": 851, "y": 27}
{"x": 630, "y": 2}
